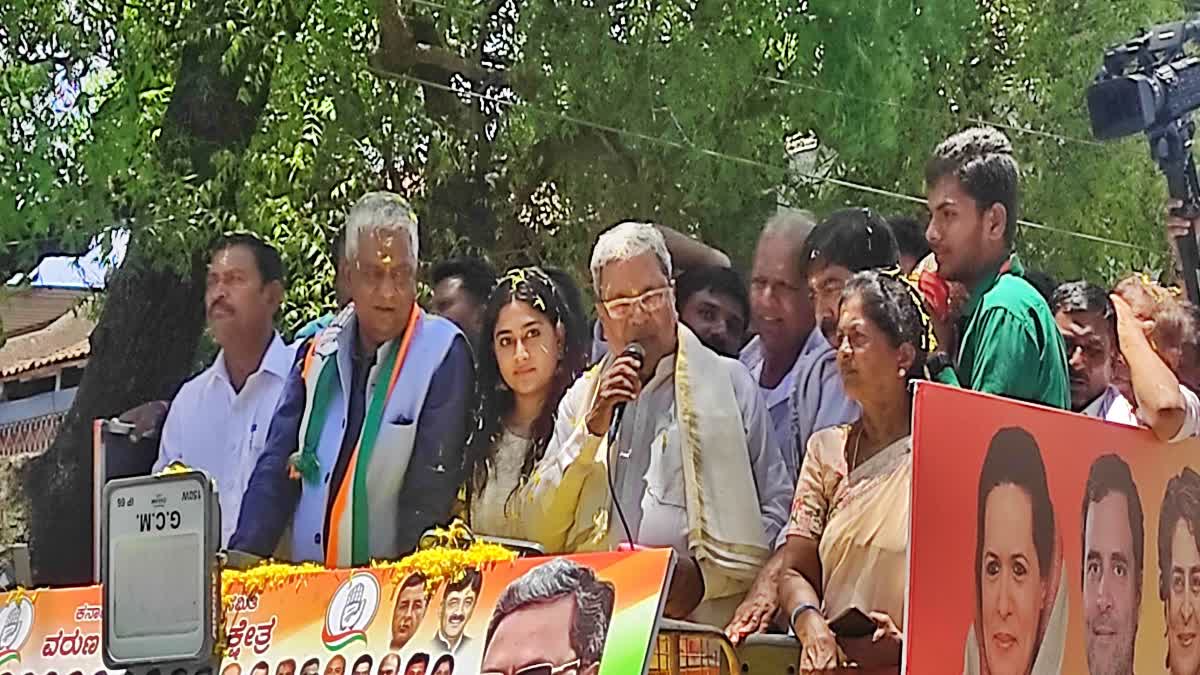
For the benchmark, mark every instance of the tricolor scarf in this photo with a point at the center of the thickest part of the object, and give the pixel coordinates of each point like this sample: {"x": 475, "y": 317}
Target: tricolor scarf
{"x": 349, "y": 513}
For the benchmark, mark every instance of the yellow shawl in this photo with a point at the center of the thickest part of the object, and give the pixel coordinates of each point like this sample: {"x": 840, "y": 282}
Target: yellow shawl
{"x": 569, "y": 490}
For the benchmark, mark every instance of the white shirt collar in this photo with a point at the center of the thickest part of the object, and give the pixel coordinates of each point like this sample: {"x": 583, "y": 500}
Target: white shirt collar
{"x": 751, "y": 355}
{"x": 1111, "y": 406}
{"x": 1099, "y": 404}
{"x": 664, "y": 371}
{"x": 277, "y": 360}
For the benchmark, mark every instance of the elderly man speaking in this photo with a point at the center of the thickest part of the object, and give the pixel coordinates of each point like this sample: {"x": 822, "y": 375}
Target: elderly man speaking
{"x": 365, "y": 448}
{"x": 694, "y": 464}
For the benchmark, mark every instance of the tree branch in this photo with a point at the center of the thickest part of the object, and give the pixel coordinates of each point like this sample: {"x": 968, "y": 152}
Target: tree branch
{"x": 400, "y": 51}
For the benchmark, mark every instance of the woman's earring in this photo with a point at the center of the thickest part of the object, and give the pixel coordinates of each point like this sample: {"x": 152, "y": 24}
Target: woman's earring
{"x": 501, "y": 385}
{"x": 903, "y": 373}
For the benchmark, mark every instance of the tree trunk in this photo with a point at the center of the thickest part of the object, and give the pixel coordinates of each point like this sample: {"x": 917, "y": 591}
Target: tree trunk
{"x": 142, "y": 350}
{"x": 143, "y": 345}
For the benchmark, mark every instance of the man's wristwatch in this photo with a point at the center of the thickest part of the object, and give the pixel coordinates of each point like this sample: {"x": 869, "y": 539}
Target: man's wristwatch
{"x": 800, "y": 609}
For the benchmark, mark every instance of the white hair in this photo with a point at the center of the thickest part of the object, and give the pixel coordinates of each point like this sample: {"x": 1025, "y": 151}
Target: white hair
{"x": 625, "y": 241}
{"x": 798, "y": 223}
{"x": 381, "y": 211}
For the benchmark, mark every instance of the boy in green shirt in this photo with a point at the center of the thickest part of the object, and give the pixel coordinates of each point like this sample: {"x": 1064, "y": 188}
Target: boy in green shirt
{"x": 1010, "y": 345}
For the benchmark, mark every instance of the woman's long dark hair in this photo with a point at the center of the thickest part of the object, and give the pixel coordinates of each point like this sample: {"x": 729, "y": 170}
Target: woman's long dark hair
{"x": 550, "y": 297}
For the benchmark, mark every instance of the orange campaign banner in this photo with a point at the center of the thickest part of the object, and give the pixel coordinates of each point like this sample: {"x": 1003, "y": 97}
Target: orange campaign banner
{"x": 1049, "y": 542}
{"x": 560, "y": 613}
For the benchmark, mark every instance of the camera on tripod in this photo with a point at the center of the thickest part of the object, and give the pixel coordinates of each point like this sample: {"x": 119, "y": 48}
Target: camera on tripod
{"x": 1146, "y": 82}
{"x": 1151, "y": 84}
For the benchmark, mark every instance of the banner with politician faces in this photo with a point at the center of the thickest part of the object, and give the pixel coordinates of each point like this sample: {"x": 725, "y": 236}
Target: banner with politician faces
{"x": 591, "y": 614}
{"x": 1048, "y": 542}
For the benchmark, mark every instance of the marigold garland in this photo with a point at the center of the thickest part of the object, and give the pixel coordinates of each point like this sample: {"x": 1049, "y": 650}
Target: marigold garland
{"x": 444, "y": 564}
{"x": 174, "y": 468}
{"x": 438, "y": 565}
{"x": 21, "y": 593}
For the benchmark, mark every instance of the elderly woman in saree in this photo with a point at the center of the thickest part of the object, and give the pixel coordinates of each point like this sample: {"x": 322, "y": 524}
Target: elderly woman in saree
{"x": 847, "y": 542}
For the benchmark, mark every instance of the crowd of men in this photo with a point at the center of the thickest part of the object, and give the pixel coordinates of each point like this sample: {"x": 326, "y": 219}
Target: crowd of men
{"x": 345, "y": 443}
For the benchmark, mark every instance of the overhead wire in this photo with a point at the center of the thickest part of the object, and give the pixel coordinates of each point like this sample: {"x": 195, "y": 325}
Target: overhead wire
{"x": 716, "y": 154}
{"x": 908, "y": 107}
{"x": 934, "y": 111}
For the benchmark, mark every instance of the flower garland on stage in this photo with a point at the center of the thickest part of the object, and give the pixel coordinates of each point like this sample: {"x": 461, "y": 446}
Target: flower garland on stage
{"x": 444, "y": 555}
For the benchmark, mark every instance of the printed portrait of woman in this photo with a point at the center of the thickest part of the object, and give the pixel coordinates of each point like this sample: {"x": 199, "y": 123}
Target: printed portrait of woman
{"x": 1179, "y": 571}
{"x": 1020, "y": 602}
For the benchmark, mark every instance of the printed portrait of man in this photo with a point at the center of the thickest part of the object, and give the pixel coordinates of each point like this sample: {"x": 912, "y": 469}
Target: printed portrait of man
{"x": 286, "y": 667}
{"x": 311, "y": 667}
{"x": 389, "y": 664}
{"x": 554, "y": 618}
{"x": 336, "y": 665}
{"x": 458, "y": 605}
{"x": 1113, "y": 558}
{"x": 417, "y": 664}
{"x": 363, "y": 664}
{"x": 412, "y": 599}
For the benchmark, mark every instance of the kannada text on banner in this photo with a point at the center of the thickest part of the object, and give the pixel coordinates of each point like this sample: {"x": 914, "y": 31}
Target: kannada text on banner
{"x": 1048, "y": 542}
{"x": 361, "y": 622}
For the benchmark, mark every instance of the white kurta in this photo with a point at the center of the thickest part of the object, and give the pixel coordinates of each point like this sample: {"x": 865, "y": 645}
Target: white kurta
{"x": 647, "y": 462}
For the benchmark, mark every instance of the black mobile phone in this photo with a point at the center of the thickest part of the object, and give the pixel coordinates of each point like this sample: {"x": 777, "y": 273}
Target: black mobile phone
{"x": 852, "y": 623}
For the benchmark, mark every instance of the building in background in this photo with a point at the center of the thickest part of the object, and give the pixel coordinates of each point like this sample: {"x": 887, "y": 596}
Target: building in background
{"x": 46, "y": 320}
{"x": 45, "y": 349}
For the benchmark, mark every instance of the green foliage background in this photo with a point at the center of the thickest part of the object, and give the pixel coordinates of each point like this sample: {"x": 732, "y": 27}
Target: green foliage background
{"x": 568, "y": 115}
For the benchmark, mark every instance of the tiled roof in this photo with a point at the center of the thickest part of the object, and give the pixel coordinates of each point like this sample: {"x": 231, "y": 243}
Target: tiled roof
{"x": 27, "y": 309}
{"x": 65, "y": 339}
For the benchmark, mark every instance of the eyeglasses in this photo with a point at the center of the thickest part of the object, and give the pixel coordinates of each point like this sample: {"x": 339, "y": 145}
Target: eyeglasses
{"x": 541, "y": 669}
{"x": 650, "y": 301}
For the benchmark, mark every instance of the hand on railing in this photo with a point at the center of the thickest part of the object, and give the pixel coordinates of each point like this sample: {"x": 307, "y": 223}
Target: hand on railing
{"x": 818, "y": 645}
{"x": 755, "y": 613}
{"x": 147, "y": 419}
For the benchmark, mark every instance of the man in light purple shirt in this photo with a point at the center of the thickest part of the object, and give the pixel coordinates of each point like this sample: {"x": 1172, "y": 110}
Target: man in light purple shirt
{"x": 789, "y": 358}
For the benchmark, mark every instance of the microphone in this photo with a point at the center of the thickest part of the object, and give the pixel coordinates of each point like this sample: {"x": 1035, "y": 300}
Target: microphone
{"x": 638, "y": 353}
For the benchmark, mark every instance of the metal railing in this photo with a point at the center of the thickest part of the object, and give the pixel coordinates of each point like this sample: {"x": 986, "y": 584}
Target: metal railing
{"x": 29, "y": 437}
{"x": 685, "y": 648}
